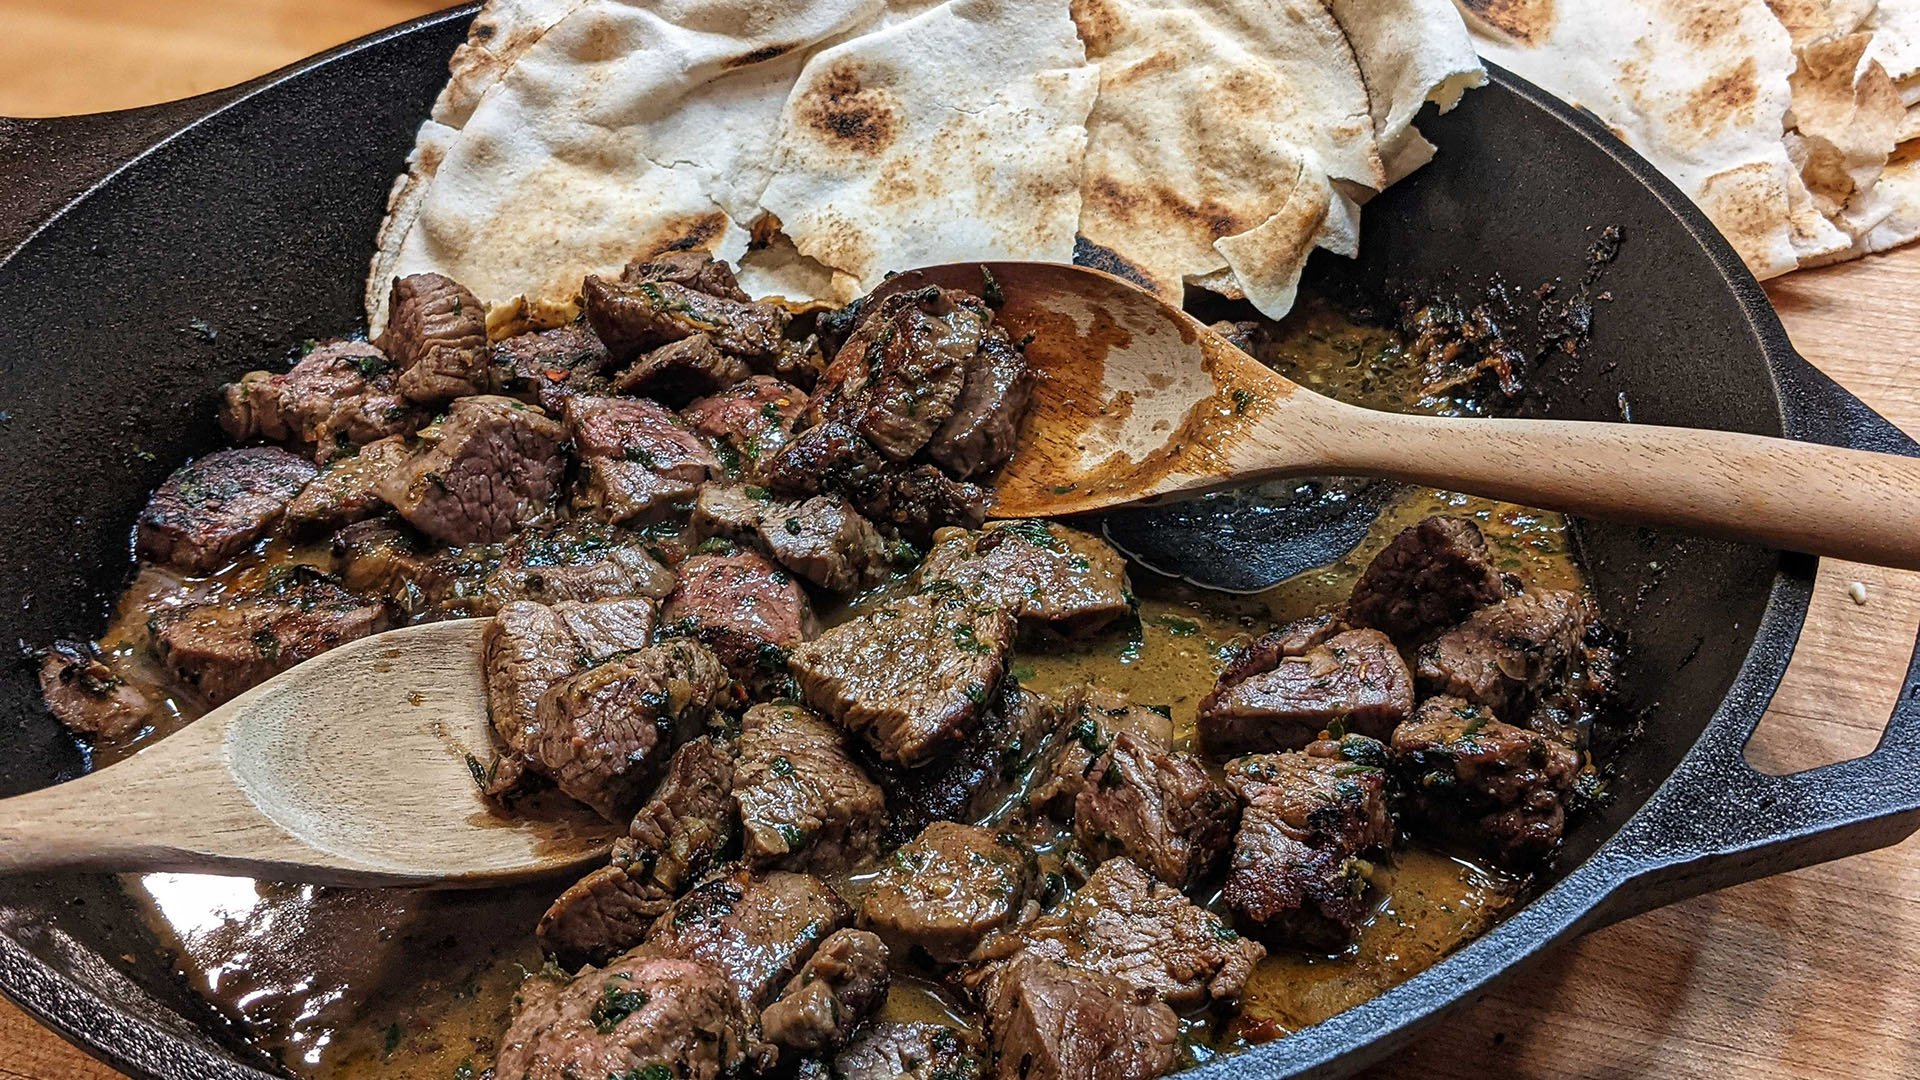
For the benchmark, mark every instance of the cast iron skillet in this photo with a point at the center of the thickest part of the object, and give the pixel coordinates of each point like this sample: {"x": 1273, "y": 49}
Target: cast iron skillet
{"x": 150, "y": 256}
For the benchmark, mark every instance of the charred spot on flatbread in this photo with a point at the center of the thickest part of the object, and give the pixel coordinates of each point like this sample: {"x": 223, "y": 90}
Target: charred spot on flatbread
{"x": 847, "y": 112}
{"x": 1525, "y": 22}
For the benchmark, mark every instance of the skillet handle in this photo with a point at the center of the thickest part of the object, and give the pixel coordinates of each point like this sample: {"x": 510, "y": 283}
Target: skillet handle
{"x": 1718, "y": 821}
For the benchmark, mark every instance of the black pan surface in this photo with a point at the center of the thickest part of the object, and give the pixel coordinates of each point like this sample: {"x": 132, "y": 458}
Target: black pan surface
{"x": 151, "y": 256}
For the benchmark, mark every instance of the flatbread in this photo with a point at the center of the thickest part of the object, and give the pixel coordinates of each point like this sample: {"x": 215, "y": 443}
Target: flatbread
{"x": 1845, "y": 113}
{"x": 1410, "y": 52}
{"x": 499, "y": 33}
{"x": 956, "y": 133}
{"x": 627, "y": 127}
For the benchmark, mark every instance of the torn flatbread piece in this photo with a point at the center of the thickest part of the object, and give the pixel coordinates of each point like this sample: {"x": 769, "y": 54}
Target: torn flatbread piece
{"x": 955, "y": 134}
{"x": 1410, "y": 52}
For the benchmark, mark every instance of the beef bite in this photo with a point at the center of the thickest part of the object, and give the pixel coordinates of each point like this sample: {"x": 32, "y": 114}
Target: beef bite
{"x": 637, "y": 317}
{"x": 638, "y": 462}
{"x": 340, "y": 395}
{"x": 758, "y": 929}
{"x": 1298, "y": 873}
{"x": 385, "y": 557}
{"x": 88, "y": 695}
{"x": 1432, "y": 575}
{"x": 214, "y": 507}
{"x": 347, "y": 490}
{"x": 1054, "y": 1022}
{"x": 1055, "y": 578}
{"x": 1472, "y": 777}
{"x": 841, "y": 986}
{"x": 680, "y": 371}
{"x": 914, "y": 500}
{"x": 549, "y": 367}
{"x": 941, "y": 894}
{"x": 604, "y": 734}
{"x": 803, "y": 802}
{"x": 980, "y": 435}
{"x": 574, "y": 560}
{"x": 437, "y": 337}
{"x": 911, "y": 1049}
{"x": 750, "y": 612}
{"x": 913, "y": 676}
{"x": 753, "y": 418}
{"x": 1280, "y": 696}
{"x": 641, "y": 1012}
{"x": 898, "y": 377}
{"x": 1503, "y": 656}
{"x": 823, "y": 539}
{"x": 492, "y": 466}
{"x": 1156, "y": 806}
{"x": 695, "y": 270}
{"x": 1092, "y": 719}
{"x": 985, "y": 777}
{"x": 225, "y": 647}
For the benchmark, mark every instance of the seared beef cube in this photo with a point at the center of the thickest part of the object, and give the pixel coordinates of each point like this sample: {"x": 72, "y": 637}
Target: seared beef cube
{"x": 638, "y": 461}
{"x": 640, "y": 1013}
{"x": 340, "y": 395}
{"x": 214, "y": 507}
{"x": 1125, "y": 924}
{"x": 804, "y": 804}
{"x": 1297, "y": 872}
{"x": 677, "y": 836}
{"x": 1356, "y": 679}
{"x": 949, "y": 888}
{"x": 679, "y": 371}
{"x": 1053, "y": 1022}
{"x": 1246, "y": 335}
{"x": 346, "y": 490}
{"x": 529, "y": 647}
{"x": 696, "y": 270}
{"x": 605, "y": 733}
{"x": 1476, "y": 778}
{"x": 437, "y": 334}
{"x": 922, "y": 499}
{"x": 547, "y": 367}
{"x": 976, "y": 781}
{"x": 1431, "y": 576}
{"x": 1156, "y": 806}
{"x": 750, "y": 612}
{"x": 85, "y": 693}
{"x": 978, "y": 438}
{"x": 913, "y": 676}
{"x": 754, "y": 417}
{"x": 758, "y": 929}
{"x": 842, "y": 986}
{"x": 224, "y": 647}
{"x": 636, "y": 317}
{"x": 913, "y": 1049}
{"x": 490, "y": 467}
{"x": 833, "y": 457}
{"x": 898, "y": 378}
{"x": 1093, "y": 720}
{"x": 1054, "y": 577}
{"x": 580, "y": 560}
{"x": 385, "y": 557}
{"x": 1503, "y": 655}
{"x": 730, "y": 511}
{"x": 827, "y": 542}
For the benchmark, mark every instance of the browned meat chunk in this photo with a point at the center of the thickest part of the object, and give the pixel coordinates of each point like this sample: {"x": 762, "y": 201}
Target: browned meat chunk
{"x": 949, "y": 888}
{"x": 1053, "y": 1022}
{"x": 347, "y": 490}
{"x": 635, "y": 317}
{"x": 1476, "y": 778}
{"x": 85, "y": 693}
{"x": 641, "y": 1012}
{"x": 340, "y": 395}
{"x": 1246, "y": 335}
{"x": 1125, "y": 924}
{"x": 750, "y": 612}
{"x": 1503, "y": 655}
{"x": 898, "y": 377}
{"x": 1356, "y": 679}
{"x": 913, "y": 1049}
{"x": 1054, "y": 577}
{"x": 982, "y": 778}
{"x": 580, "y": 560}
{"x": 490, "y": 467}
{"x": 437, "y": 334}
{"x": 754, "y": 417}
{"x": 1093, "y": 720}
{"x": 804, "y": 804}
{"x": 842, "y": 986}
{"x": 832, "y": 457}
{"x": 696, "y": 270}
{"x": 213, "y": 508}
{"x": 224, "y": 647}
{"x": 605, "y": 733}
{"x": 678, "y": 835}
{"x": 385, "y": 557}
{"x": 1431, "y": 576}
{"x": 757, "y": 929}
{"x": 529, "y": 647}
{"x": 979, "y": 437}
{"x": 679, "y": 371}
{"x": 637, "y": 461}
{"x": 912, "y": 676}
{"x": 547, "y": 367}
{"x": 1156, "y": 806}
{"x": 823, "y": 539}
{"x": 1310, "y": 815}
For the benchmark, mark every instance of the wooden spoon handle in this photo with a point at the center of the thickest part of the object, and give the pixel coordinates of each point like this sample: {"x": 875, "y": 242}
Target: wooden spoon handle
{"x": 1808, "y": 497}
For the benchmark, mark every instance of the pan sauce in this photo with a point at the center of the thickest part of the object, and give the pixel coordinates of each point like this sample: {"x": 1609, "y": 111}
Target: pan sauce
{"x": 381, "y": 984}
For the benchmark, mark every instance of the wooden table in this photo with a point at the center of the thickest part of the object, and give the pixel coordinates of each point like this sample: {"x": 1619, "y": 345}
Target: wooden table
{"x": 1811, "y": 975}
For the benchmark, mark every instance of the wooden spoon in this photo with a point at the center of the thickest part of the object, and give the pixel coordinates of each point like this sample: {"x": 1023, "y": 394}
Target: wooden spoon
{"x": 350, "y": 769}
{"x": 1138, "y": 402}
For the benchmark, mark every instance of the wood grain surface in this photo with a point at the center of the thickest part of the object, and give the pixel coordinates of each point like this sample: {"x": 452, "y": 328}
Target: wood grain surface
{"x": 1814, "y": 974}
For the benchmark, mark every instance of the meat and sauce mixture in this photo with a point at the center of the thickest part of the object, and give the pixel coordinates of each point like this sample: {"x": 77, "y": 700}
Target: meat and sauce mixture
{"x": 906, "y": 792}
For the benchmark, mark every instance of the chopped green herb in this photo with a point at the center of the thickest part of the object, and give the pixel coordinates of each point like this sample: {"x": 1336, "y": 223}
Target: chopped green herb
{"x": 780, "y": 767}
{"x": 616, "y": 1003}
{"x": 1243, "y": 400}
{"x": 757, "y": 493}
{"x": 266, "y": 645}
{"x": 641, "y": 454}
{"x": 395, "y": 1033}
{"x": 792, "y": 526}
{"x": 990, "y": 289}
{"x": 968, "y": 641}
{"x": 1178, "y": 626}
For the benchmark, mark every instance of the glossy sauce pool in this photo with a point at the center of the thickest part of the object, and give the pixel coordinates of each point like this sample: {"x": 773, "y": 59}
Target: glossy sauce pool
{"x": 386, "y": 984}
